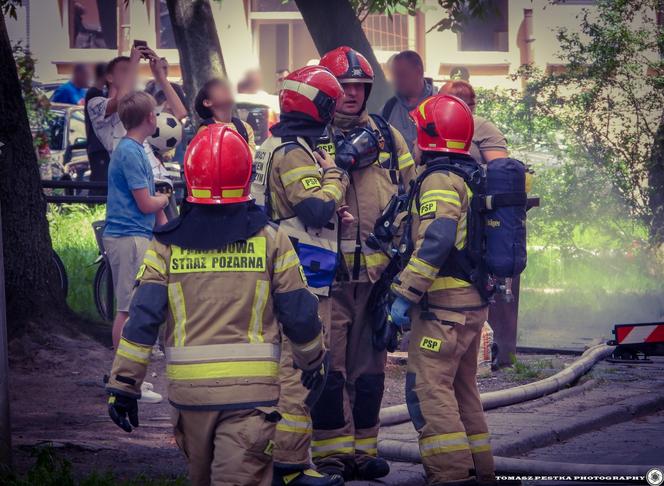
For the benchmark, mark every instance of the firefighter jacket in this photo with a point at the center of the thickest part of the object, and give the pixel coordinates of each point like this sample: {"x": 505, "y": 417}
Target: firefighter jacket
{"x": 368, "y": 194}
{"x": 303, "y": 199}
{"x": 439, "y": 226}
{"x": 221, "y": 309}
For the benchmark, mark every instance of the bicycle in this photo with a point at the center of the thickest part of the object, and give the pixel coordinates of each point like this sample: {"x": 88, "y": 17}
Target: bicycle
{"x": 103, "y": 282}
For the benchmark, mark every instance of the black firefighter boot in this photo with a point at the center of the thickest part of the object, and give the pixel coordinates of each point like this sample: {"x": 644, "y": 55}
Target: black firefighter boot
{"x": 368, "y": 467}
{"x": 304, "y": 477}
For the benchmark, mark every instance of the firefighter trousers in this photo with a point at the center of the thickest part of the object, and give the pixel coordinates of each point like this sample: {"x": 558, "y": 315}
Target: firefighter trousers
{"x": 226, "y": 447}
{"x": 442, "y": 395}
{"x": 293, "y": 435}
{"x": 346, "y": 416}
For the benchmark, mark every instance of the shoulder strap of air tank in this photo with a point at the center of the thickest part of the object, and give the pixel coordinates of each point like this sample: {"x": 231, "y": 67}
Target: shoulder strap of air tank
{"x": 386, "y": 133}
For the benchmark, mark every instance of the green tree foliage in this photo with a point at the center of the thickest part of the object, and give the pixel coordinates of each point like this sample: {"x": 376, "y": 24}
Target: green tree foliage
{"x": 579, "y": 202}
{"x": 36, "y": 104}
{"x": 609, "y": 99}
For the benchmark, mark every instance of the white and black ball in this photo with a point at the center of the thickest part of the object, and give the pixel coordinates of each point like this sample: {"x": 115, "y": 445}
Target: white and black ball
{"x": 168, "y": 133}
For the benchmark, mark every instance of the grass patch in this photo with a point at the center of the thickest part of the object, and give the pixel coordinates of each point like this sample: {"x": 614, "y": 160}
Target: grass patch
{"x": 73, "y": 239}
{"x": 51, "y": 470}
{"x": 529, "y": 371}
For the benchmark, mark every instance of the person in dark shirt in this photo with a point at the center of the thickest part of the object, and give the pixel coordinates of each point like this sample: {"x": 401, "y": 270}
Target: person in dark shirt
{"x": 98, "y": 156}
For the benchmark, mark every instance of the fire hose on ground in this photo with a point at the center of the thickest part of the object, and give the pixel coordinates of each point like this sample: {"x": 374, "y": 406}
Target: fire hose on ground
{"x": 409, "y": 452}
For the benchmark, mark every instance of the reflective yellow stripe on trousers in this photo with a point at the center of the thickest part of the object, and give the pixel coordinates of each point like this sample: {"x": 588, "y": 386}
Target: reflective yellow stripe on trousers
{"x": 443, "y": 443}
{"x": 367, "y": 446}
{"x": 297, "y": 424}
{"x": 334, "y": 446}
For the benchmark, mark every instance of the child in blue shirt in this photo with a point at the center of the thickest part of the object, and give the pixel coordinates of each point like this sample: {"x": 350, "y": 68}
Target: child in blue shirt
{"x": 132, "y": 207}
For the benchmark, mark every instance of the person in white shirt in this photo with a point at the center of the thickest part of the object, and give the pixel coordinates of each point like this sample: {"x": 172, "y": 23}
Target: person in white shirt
{"x": 121, "y": 77}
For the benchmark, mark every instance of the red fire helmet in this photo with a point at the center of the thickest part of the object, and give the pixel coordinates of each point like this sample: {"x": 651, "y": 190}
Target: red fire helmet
{"x": 311, "y": 90}
{"x": 444, "y": 124}
{"x": 217, "y": 167}
{"x": 348, "y": 65}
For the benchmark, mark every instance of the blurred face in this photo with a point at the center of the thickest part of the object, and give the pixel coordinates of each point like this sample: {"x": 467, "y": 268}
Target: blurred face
{"x": 81, "y": 77}
{"x": 219, "y": 97}
{"x": 119, "y": 74}
{"x": 353, "y": 99}
{"x": 407, "y": 78}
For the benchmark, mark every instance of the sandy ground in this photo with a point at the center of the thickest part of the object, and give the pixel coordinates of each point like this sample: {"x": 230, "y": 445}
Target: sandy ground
{"x": 57, "y": 396}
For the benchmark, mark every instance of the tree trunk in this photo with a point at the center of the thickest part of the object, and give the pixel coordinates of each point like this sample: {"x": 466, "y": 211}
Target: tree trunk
{"x": 32, "y": 286}
{"x": 333, "y": 23}
{"x": 198, "y": 44}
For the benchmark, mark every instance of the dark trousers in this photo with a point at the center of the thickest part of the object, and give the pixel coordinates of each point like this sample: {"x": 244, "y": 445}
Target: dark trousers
{"x": 98, "y": 170}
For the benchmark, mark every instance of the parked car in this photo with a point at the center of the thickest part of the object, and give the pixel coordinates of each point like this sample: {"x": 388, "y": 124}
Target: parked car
{"x": 65, "y": 153}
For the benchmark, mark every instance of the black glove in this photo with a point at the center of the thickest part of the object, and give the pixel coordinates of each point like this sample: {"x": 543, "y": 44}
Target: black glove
{"x": 119, "y": 408}
{"x": 312, "y": 379}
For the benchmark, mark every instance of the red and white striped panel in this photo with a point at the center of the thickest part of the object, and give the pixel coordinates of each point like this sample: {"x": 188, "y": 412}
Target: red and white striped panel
{"x": 637, "y": 334}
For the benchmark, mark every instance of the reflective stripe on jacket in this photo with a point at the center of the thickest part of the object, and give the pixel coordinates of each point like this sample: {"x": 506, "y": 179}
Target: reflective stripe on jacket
{"x": 222, "y": 309}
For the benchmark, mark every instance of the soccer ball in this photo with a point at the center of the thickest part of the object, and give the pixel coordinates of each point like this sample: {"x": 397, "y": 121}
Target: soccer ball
{"x": 168, "y": 133}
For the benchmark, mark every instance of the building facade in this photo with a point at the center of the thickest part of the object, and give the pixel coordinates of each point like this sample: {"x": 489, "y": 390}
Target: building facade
{"x": 271, "y": 35}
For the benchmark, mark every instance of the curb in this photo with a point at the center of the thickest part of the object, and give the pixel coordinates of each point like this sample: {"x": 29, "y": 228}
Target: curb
{"x": 586, "y": 421}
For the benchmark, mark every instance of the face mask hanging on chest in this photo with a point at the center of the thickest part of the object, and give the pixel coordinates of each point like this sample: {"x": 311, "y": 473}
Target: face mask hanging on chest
{"x": 358, "y": 149}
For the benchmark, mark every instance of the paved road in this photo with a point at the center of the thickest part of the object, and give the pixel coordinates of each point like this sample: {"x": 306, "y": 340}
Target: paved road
{"x": 544, "y": 429}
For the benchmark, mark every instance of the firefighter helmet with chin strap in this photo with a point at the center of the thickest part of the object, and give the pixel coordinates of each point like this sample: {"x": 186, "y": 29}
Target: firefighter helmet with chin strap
{"x": 444, "y": 124}
{"x": 312, "y": 91}
{"x": 348, "y": 65}
{"x": 217, "y": 167}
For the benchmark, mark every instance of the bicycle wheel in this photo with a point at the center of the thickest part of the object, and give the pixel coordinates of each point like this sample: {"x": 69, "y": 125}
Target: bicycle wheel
{"x": 62, "y": 273}
{"x": 103, "y": 292}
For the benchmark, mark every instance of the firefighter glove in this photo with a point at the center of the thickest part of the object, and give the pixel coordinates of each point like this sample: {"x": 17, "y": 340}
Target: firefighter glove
{"x": 121, "y": 408}
{"x": 399, "y": 312}
{"x": 313, "y": 379}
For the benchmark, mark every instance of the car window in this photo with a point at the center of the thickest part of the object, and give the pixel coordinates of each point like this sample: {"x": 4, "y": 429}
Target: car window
{"x": 56, "y": 127}
{"x": 76, "y": 126}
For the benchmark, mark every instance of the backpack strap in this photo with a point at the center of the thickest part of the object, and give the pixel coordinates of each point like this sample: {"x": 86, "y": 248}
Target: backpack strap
{"x": 386, "y": 133}
{"x": 389, "y": 107}
{"x": 240, "y": 128}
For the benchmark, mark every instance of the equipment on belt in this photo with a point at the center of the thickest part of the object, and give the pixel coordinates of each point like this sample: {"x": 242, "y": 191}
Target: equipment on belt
{"x": 221, "y": 174}
{"x": 312, "y": 91}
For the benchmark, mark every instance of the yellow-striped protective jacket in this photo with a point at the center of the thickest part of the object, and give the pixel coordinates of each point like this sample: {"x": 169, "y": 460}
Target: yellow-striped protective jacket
{"x": 222, "y": 309}
{"x": 440, "y": 220}
{"x": 303, "y": 199}
{"x": 367, "y": 195}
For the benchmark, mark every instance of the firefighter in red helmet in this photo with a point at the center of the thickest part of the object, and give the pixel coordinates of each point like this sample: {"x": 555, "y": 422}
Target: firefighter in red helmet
{"x": 434, "y": 294}
{"x": 379, "y": 165}
{"x": 302, "y": 190}
{"x": 222, "y": 279}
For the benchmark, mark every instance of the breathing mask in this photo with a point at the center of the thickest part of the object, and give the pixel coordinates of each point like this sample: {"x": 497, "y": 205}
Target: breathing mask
{"x": 357, "y": 149}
